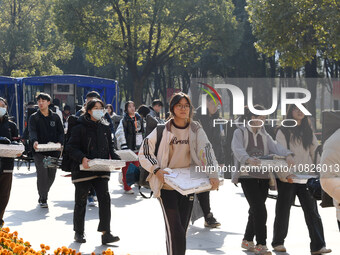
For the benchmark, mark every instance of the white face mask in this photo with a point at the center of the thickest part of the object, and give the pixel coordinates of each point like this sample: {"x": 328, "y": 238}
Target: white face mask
{"x": 97, "y": 114}
{"x": 2, "y": 111}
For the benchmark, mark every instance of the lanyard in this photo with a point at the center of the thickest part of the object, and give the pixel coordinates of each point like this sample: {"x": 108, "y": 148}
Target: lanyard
{"x": 135, "y": 121}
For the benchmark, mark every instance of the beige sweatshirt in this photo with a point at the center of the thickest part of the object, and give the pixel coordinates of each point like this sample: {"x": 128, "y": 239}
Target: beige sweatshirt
{"x": 179, "y": 149}
{"x": 301, "y": 155}
{"x": 179, "y": 154}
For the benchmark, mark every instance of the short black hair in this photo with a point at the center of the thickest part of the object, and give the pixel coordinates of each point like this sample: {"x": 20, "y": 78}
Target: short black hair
{"x": 94, "y": 94}
{"x": 92, "y": 104}
{"x": 30, "y": 103}
{"x": 157, "y": 102}
{"x": 67, "y": 108}
{"x": 248, "y": 114}
{"x": 43, "y": 96}
{"x": 127, "y": 105}
{"x": 56, "y": 102}
{"x": 175, "y": 100}
{"x": 4, "y": 100}
{"x": 210, "y": 99}
{"x": 143, "y": 110}
{"x": 109, "y": 106}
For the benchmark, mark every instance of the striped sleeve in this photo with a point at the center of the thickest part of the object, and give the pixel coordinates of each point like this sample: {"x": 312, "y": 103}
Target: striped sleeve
{"x": 120, "y": 136}
{"x": 146, "y": 155}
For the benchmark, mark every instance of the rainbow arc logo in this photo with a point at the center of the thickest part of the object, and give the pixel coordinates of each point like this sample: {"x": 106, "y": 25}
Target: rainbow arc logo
{"x": 204, "y": 96}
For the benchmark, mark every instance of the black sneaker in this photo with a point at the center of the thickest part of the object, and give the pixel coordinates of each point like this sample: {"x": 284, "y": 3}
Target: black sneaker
{"x": 79, "y": 238}
{"x": 211, "y": 222}
{"x": 43, "y": 204}
{"x": 109, "y": 238}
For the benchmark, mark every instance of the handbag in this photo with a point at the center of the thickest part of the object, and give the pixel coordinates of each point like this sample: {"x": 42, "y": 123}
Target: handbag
{"x": 314, "y": 188}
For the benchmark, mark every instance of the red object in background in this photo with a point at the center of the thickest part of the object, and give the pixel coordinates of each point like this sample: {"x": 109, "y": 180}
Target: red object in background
{"x": 170, "y": 92}
{"x": 336, "y": 90}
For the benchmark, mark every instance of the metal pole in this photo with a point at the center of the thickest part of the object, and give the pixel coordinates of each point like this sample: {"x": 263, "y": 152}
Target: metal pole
{"x": 117, "y": 110}
{"x": 16, "y": 104}
{"x": 23, "y": 102}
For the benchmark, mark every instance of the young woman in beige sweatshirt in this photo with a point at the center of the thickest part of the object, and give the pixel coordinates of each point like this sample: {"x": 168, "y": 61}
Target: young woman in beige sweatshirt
{"x": 302, "y": 142}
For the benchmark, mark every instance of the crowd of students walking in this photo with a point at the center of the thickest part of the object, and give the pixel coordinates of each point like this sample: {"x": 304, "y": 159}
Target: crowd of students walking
{"x": 187, "y": 139}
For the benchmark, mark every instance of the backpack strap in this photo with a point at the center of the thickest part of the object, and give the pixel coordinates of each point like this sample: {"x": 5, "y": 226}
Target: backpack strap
{"x": 160, "y": 128}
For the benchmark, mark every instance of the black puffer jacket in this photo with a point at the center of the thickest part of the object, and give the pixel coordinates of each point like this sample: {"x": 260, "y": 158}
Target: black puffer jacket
{"x": 91, "y": 140}
{"x": 46, "y": 129}
{"x": 7, "y": 129}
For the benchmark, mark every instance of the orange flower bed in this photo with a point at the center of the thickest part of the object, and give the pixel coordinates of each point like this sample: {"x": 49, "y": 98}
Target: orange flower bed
{"x": 11, "y": 244}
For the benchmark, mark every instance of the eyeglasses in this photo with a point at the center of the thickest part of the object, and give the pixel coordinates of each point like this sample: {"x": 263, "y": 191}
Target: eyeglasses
{"x": 182, "y": 106}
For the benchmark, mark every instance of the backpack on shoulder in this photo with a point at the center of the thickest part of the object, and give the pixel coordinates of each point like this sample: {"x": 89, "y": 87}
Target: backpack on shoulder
{"x": 143, "y": 174}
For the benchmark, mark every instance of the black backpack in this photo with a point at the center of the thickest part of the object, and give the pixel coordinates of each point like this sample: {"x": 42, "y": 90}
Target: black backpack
{"x": 67, "y": 163}
{"x": 143, "y": 174}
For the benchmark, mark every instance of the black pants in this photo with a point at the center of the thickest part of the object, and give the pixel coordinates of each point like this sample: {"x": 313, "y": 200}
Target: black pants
{"x": 177, "y": 212}
{"x": 45, "y": 177}
{"x": 5, "y": 190}
{"x": 204, "y": 199}
{"x": 256, "y": 192}
{"x": 102, "y": 189}
{"x": 286, "y": 196}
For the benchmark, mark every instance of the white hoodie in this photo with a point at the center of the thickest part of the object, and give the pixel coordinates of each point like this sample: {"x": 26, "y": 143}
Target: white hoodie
{"x": 201, "y": 153}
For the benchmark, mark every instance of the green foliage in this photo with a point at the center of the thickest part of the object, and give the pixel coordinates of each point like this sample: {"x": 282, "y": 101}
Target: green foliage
{"x": 29, "y": 41}
{"x": 145, "y": 34}
{"x": 298, "y": 30}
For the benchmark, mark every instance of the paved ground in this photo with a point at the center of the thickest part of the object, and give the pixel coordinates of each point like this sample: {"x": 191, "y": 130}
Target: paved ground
{"x": 139, "y": 222}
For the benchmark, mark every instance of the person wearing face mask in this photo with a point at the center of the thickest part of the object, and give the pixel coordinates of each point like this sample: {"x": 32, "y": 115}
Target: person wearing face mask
{"x": 91, "y": 139}
{"x": 44, "y": 126}
{"x": 8, "y": 129}
{"x": 92, "y": 197}
{"x": 129, "y": 135}
{"x": 89, "y": 96}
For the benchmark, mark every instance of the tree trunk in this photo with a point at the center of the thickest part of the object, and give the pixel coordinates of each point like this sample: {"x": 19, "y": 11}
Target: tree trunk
{"x": 138, "y": 92}
{"x": 163, "y": 88}
{"x": 311, "y": 72}
{"x": 7, "y": 70}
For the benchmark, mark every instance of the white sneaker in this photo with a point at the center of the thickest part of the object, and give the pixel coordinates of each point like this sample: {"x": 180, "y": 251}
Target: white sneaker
{"x": 130, "y": 192}
{"x": 323, "y": 250}
{"x": 120, "y": 178}
{"x": 91, "y": 201}
{"x": 262, "y": 250}
{"x": 248, "y": 245}
{"x": 280, "y": 248}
